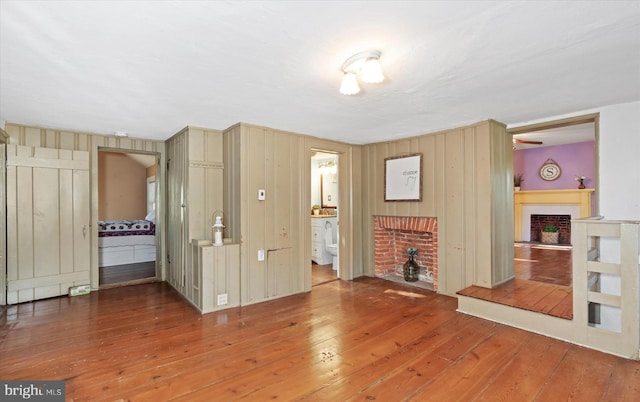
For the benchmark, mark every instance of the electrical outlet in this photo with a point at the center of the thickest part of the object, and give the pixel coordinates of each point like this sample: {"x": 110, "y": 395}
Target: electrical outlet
{"x": 261, "y": 255}
{"x": 222, "y": 299}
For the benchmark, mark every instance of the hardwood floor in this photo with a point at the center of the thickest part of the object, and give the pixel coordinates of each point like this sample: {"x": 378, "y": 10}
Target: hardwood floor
{"x": 367, "y": 339}
{"x": 322, "y": 273}
{"x": 540, "y": 263}
{"x": 542, "y": 282}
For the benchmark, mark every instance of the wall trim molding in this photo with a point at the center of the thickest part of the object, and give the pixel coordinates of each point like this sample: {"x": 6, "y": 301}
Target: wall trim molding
{"x": 205, "y": 164}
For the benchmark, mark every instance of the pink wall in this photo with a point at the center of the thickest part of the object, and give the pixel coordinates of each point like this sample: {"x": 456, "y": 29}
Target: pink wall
{"x": 574, "y": 160}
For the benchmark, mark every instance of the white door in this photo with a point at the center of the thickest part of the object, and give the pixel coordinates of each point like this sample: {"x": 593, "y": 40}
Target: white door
{"x": 48, "y": 244}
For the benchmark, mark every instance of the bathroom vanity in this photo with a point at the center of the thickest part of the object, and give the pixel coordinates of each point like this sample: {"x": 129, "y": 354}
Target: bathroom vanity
{"x": 319, "y": 252}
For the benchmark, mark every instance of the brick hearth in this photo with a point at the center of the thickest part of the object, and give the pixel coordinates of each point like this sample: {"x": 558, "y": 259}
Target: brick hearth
{"x": 563, "y": 222}
{"x": 393, "y": 235}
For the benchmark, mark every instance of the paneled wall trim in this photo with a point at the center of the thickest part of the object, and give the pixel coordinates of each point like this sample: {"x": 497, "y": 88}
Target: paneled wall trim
{"x": 467, "y": 186}
{"x": 217, "y": 277}
{"x": 467, "y": 173}
{"x": 195, "y": 183}
{"x": 39, "y": 137}
{"x": 4, "y": 137}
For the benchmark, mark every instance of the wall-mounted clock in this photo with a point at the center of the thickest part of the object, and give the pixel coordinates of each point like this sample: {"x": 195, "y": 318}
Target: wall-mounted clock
{"x": 550, "y": 170}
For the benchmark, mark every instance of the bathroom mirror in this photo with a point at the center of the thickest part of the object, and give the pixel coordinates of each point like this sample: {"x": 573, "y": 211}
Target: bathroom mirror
{"x": 329, "y": 190}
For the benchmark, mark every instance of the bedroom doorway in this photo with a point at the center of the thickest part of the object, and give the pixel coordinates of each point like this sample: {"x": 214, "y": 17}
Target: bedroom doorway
{"x": 127, "y": 199}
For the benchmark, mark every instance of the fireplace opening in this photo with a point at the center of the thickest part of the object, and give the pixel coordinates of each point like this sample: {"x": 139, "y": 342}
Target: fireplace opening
{"x": 394, "y": 236}
{"x": 562, "y": 222}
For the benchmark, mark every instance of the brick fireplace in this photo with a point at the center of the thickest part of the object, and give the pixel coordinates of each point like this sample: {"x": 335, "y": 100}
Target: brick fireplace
{"x": 393, "y": 235}
{"x": 563, "y": 222}
{"x": 574, "y": 203}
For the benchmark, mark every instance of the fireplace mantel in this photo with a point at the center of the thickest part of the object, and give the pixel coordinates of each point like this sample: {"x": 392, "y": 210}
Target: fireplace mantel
{"x": 579, "y": 198}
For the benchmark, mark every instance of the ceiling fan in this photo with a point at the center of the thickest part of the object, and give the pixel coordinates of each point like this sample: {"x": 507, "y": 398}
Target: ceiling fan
{"x": 517, "y": 141}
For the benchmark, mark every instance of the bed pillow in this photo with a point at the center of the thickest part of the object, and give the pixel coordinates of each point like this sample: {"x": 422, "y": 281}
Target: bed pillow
{"x": 151, "y": 216}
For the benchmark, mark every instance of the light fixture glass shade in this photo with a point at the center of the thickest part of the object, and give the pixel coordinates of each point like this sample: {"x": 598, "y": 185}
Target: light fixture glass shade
{"x": 372, "y": 71}
{"x": 349, "y": 84}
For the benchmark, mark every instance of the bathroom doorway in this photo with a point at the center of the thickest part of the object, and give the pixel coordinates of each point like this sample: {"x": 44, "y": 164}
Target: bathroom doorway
{"x": 324, "y": 217}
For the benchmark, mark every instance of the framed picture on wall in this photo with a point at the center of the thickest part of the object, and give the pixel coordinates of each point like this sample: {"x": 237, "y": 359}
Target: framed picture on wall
{"x": 403, "y": 178}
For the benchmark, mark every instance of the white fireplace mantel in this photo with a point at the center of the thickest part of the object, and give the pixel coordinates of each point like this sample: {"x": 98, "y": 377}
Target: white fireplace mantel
{"x": 569, "y": 202}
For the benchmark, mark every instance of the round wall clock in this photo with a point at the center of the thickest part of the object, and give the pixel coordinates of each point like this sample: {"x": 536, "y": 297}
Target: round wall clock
{"x": 550, "y": 170}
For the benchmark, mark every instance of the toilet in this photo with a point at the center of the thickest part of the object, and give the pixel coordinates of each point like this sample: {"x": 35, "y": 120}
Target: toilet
{"x": 330, "y": 245}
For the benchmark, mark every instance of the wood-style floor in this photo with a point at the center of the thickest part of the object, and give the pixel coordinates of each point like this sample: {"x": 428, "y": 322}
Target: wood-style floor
{"x": 367, "y": 339}
{"x": 542, "y": 282}
{"x": 542, "y": 263}
{"x": 322, "y": 274}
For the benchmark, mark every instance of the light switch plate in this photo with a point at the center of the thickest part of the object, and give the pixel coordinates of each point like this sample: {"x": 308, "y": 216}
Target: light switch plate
{"x": 262, "y": 195}
{"x": 261, "y": 255}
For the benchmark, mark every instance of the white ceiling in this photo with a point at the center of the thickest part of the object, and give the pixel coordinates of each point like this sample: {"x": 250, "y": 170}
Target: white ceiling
{"x": 151, "y": 68}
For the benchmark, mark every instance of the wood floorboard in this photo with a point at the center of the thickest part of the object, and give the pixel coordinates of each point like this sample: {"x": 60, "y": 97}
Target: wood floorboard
{"x": 543, "y": 263}
{"x": 367, "y": 339}
{"x": 322, "y": 273}
{"x": 527, "y": 373}
{"x": 542, "y": 282}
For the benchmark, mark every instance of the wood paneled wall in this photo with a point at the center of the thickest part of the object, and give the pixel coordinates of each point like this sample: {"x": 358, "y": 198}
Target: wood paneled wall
{"x": 272, "y": 160}
{"x": 280, "y": 163}
{"x": 467, "y": 177}
{"x": 467, "y": 185}
{"x": 195, "y": 182}
{"x": 4, "y": 137}
{"x": 80, "y": 141}
{"x": 205, "y": 180}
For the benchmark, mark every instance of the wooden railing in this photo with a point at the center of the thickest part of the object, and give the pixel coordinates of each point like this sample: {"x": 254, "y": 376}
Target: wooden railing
{"x": 606, "y": 294}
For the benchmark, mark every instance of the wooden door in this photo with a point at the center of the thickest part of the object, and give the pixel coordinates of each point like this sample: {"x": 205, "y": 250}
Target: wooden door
{"x": 48, "y": 245}
{"x": 3, "y": 226}
{"x": 177, "y": 231}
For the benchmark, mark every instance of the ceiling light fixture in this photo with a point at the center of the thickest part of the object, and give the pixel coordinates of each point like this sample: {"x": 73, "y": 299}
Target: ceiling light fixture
{"x": 329, "y": 167}
{"x": 367, "y": 65}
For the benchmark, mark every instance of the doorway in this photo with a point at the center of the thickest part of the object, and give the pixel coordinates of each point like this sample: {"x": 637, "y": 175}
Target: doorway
{"x": 127, "y": 197}
{"x": 553, "y": 162}
{"x": 3, "y": 218}
{"x": 324, "y": 217}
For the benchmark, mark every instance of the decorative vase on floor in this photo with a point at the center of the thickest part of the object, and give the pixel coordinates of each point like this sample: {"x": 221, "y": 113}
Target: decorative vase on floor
{"x": 411, "y": 269}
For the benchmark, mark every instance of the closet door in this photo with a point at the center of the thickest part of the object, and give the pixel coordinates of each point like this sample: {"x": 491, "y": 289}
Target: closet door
{"x": 3, "y": 232}
{"x": 47, "y": 222}
{"x": 177, "y": 241}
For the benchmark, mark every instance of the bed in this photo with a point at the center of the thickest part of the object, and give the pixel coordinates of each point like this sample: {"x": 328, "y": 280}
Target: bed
{"x": 126, "y": 242}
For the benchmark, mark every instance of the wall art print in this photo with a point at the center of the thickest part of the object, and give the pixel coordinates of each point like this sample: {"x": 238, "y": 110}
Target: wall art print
{"x": 403, "y": 178}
